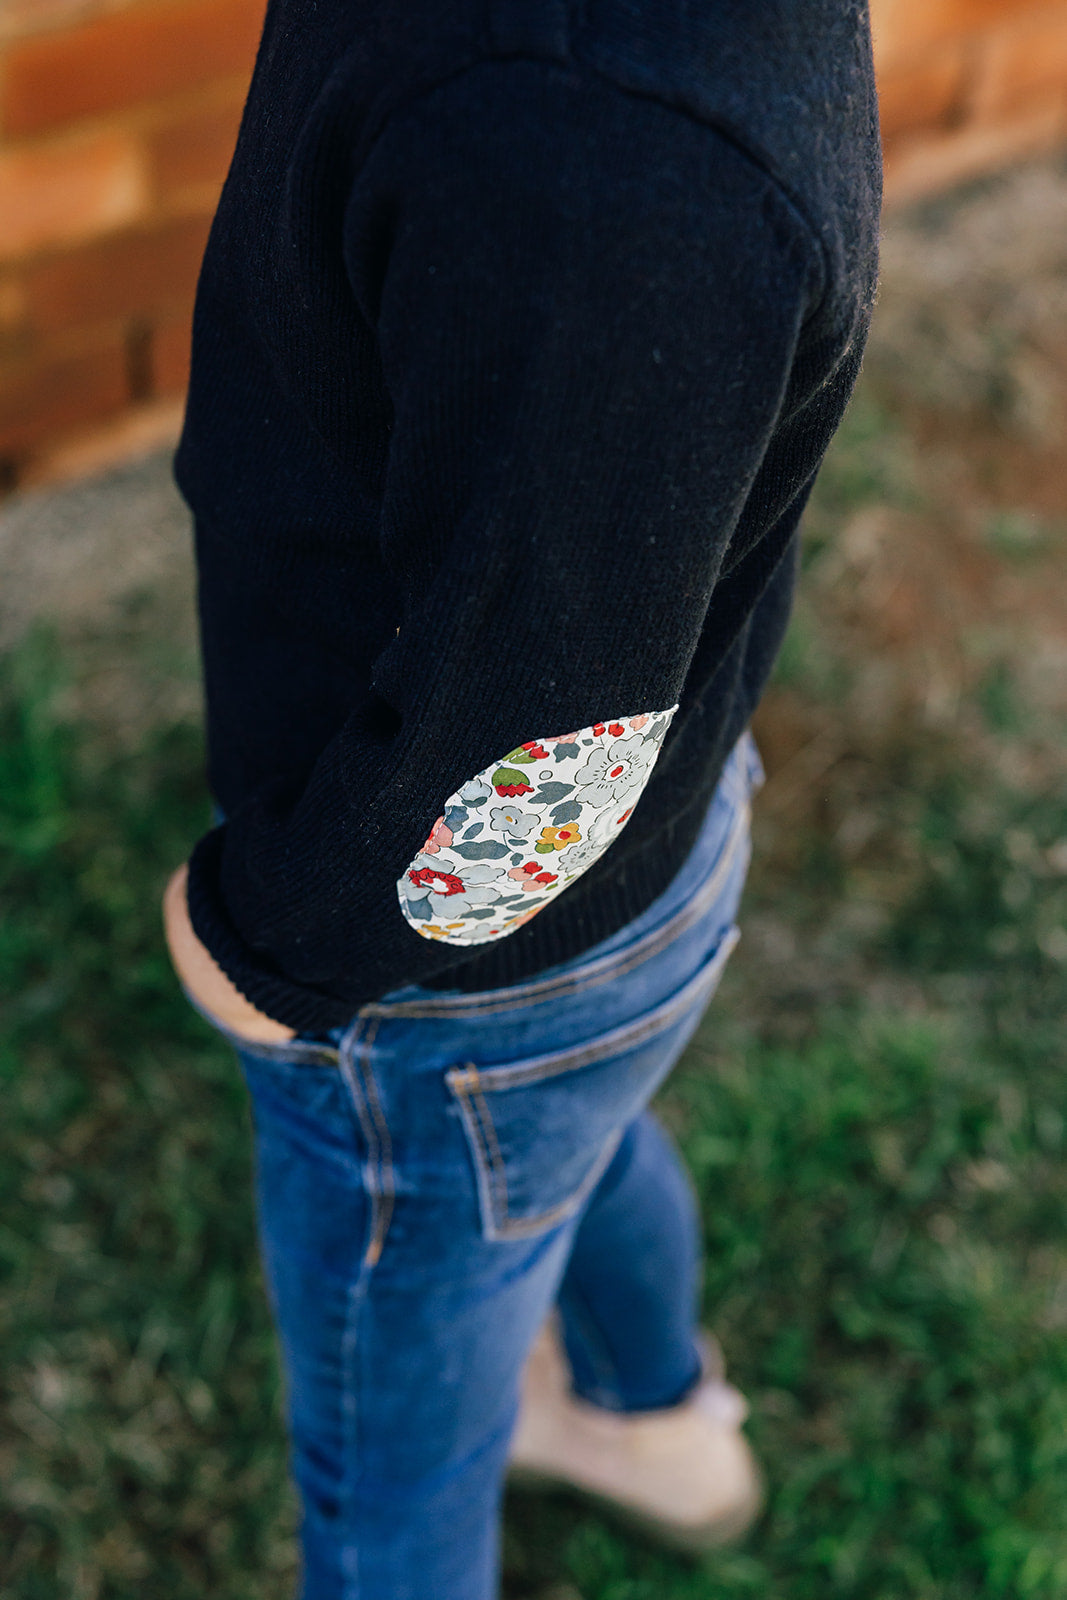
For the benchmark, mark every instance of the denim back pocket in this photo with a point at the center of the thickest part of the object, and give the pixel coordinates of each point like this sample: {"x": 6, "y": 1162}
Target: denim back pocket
{"x": 543, "y": 1130}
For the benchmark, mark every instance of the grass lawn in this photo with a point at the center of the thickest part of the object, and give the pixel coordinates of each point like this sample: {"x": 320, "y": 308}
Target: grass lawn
{"x": 874, "y": 1110}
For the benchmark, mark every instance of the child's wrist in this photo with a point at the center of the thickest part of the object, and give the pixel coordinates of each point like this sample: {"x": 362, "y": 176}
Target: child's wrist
{"x": 204, "y": 980}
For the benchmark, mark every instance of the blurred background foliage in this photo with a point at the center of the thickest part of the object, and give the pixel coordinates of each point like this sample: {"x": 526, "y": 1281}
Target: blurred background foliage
{"x": 873, "y": 1111}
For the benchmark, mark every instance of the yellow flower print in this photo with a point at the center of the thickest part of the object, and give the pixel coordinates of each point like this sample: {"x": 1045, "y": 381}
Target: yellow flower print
{"x": 517, "y": 922}
{"x": 557, "y": 838}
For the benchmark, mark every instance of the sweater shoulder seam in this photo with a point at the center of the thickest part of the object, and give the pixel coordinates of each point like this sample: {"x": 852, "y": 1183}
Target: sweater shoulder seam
{"x": 749, "y": 151}
{"x": 754, "y": 156}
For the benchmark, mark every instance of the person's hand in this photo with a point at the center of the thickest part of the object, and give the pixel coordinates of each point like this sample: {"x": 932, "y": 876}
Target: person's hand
{"x": 205, "y": 981}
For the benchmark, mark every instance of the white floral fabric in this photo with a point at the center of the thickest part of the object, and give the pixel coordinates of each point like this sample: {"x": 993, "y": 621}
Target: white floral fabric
{"x": 514, "y": 836}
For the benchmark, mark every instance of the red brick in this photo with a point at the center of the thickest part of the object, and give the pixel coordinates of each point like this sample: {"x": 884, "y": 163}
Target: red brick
{"x": 12, "y": 303}
{"x": 904, "y": 28}
{"x": 190, "y": 154}
{"x": 1021, "y": 63}
{"x": 923, "y": 94}
{"x": 922, "y": 166}
{"x": 130, "y": 274}
{"x": 15, "y": 337}
{"x": 135, "y": 431}
{"x": 39, "y": 399}
{"x": 68, "y": 189}
{"x": 125, "y": 57}
{"x": 169, "y": 356}
{"x": 18, "y": 18}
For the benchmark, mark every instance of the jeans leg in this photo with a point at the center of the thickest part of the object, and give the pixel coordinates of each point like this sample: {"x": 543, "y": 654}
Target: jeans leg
{"x": 402, "y": 1364}
{"x": 437, "y": 1379}
{"x": 629, "y": 1298}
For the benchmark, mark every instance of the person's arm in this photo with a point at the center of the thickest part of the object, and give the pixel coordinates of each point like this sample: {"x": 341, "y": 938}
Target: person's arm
{"x": 204, "y": 980}
{"x": 587, "y": 306}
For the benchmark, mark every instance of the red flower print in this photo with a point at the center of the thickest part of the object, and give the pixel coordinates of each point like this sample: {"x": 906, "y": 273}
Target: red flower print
{"x": 509, "y": 781}
{"x": 450, "y": 883}
{"x": 530, "y": 876}
{"x": 558, "y": 801}
{"x": 439, "y": 835}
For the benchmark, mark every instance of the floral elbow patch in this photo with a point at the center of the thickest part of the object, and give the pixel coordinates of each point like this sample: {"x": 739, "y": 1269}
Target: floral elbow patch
{"x": 514, "y": 836}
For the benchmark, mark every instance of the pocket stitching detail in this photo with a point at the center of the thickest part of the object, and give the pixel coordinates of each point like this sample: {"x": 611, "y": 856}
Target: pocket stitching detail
{"x": 484, "y": 1148}
{"x": 499, "y": 1171}
{"x": 491, "y": 1176}
{"x": 469, "y": 1084}
{"x": 524, "y": 1227}
{"x": 553, "y": 1065}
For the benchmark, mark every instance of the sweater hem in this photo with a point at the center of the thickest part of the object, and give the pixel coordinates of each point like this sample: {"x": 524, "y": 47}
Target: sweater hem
{"x": 605, "y": 907}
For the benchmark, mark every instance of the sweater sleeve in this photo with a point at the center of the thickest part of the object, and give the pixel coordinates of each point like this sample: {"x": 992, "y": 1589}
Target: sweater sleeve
{"x": 587, "y": 307}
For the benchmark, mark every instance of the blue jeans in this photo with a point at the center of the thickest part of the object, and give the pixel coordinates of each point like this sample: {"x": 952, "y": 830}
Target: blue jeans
{"x": 431, "y": 1182}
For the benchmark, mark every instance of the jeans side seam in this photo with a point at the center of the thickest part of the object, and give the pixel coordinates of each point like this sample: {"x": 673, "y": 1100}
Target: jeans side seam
{"x": 351, "y": 1059}
{"x": 386, "y": 1176}
{"x": 350, "y": 1045}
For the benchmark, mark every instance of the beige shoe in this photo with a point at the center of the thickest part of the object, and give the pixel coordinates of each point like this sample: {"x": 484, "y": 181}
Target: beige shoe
{"x": 685, "y": 1475}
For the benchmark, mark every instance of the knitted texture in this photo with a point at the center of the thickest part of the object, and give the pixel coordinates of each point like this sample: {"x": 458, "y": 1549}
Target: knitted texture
{"x": 519, "y": 340}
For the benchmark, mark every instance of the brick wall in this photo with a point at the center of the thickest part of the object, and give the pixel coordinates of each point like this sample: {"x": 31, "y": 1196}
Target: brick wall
{"x": 967, "y": 86}
{"x": 117, "y": 118}
{"x": 116, "y": 122}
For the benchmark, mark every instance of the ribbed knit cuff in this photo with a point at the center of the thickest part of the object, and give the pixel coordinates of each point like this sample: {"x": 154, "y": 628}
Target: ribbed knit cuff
{"x": 297, "y": 1006}
{"x": 592, "y": 911}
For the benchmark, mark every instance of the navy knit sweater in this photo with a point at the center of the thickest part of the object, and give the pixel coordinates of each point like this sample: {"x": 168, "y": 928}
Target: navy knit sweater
{"x": 521, "y": 333}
